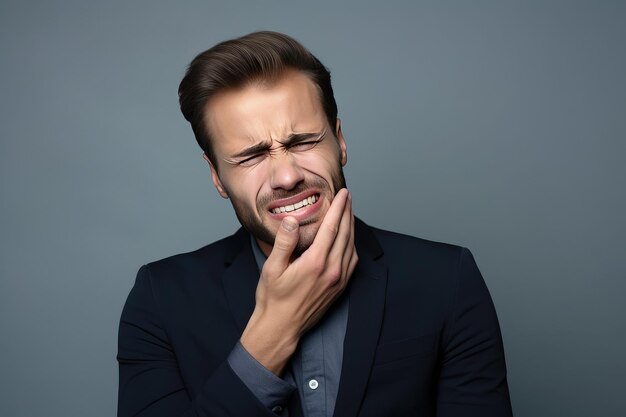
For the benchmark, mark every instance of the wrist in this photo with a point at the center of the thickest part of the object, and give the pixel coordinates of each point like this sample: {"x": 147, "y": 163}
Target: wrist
{"x": 269, "y": 341}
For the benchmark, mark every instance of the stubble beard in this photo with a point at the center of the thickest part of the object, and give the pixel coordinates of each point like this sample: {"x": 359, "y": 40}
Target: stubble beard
{"x": 255, "y": 226}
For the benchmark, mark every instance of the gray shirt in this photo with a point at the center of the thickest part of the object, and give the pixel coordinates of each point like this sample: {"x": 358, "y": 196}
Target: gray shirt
{"x": 314, "y": 369}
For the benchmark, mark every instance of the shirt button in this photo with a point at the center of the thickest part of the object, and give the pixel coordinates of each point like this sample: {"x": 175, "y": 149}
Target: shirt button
{"x": 277, "y": 409}
{"x": 313, "y": 384}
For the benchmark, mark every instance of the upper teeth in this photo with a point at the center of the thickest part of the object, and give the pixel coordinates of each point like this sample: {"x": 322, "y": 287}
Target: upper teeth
{"x": 285, "y": 209}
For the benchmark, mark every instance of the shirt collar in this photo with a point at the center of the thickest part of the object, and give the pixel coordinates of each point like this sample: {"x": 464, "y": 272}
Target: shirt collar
{"x": 259, "y": 256}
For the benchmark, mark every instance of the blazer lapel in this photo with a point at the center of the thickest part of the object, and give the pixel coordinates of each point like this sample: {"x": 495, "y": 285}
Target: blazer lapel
{"x": 366, "y": 307}
{"x": 240, "y": 279}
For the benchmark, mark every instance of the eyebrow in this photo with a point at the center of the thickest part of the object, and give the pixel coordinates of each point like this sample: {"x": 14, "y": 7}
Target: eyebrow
{"x": 253, "y": 150}
{"x": 301, "y": 137}
{"x": 289, "y": 141}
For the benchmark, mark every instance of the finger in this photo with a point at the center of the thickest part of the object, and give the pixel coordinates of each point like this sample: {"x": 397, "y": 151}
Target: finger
{"x": 284, "y": 244}
{"x": 342, "y": 239}
{"x": 349, "y": 250}
{"x": 330, "y": 225}
{"x": 352, "y": 255}
{"x": 353, "y": 263}
{"x": 335, "y": 267}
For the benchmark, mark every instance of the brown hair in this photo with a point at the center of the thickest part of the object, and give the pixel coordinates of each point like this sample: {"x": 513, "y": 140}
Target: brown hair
{"x": 233, "y": 63}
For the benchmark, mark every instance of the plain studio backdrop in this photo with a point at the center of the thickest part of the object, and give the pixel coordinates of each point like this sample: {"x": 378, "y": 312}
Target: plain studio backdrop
{"x": 499, "y": 126}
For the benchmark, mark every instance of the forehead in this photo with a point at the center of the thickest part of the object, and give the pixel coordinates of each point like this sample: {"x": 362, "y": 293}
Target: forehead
{"x": 263, "y": 111}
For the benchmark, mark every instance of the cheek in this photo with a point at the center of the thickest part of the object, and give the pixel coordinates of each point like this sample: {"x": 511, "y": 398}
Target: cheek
{"x": 322, "y": 164}
{"x": 245, "y": 188}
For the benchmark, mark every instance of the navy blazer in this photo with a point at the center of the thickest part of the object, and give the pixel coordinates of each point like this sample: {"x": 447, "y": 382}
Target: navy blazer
{"x": 422, "y": 337}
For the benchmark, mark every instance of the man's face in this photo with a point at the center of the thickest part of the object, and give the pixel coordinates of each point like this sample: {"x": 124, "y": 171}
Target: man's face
{"x": 276, "y": 156}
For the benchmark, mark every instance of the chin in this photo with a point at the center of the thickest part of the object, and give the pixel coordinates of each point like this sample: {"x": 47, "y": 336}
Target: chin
{"x": 307, "y": 236}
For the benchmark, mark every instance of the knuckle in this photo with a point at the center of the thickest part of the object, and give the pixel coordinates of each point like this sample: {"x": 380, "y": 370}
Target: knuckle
{"x": 317, "y": 268}
{"x": 333, "y": 274}
{"x": 332, "y": 229}
{"x": 268, "y": 270}
{"x": 281, "y": 245}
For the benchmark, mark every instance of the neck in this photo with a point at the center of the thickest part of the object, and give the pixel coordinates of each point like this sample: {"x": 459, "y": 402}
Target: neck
{"x": 265, "y": 247}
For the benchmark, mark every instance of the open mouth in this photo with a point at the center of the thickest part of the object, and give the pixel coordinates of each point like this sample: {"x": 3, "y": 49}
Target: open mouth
{"x": 309, "y": 201}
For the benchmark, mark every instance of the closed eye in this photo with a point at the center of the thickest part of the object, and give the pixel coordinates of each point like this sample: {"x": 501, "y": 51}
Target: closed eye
{"x": 300, "y": 142}
{"x": 252, "y": 160}
{"x": 297, "y": 142}
{"x": 304, "y": 146}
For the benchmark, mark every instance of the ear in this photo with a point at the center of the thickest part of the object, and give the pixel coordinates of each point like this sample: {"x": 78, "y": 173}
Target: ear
{"x": 215, "y": 178}
{"x": 342, "y": 143}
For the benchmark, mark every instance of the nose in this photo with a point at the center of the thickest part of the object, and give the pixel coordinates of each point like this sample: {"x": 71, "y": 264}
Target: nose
{"x": 285, "y": 171}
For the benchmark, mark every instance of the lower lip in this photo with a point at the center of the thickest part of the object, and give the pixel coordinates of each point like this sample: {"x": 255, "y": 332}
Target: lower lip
{"x": 300, "y": 214}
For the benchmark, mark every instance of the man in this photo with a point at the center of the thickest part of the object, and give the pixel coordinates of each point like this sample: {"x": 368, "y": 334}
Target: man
{"x": 305, "y": 311}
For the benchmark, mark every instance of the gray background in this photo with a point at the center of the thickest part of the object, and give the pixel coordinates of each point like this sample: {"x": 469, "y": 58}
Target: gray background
{"x": 495, "y": 125}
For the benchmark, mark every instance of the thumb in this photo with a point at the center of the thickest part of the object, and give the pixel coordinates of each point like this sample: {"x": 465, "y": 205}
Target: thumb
{"x": 284, "y": 244}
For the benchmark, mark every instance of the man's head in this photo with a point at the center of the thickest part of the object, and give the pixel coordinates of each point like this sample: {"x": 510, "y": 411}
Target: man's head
{"x": 262, "y": 109}
{"x": 256, "y": 57}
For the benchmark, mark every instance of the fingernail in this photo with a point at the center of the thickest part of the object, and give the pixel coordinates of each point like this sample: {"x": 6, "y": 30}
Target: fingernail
{"x": 289, "y": 224}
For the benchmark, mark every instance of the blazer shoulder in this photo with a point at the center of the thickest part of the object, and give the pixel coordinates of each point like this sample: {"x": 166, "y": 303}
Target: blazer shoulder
{"x": 210, "y": 259}
{"x": 397, "y": 244}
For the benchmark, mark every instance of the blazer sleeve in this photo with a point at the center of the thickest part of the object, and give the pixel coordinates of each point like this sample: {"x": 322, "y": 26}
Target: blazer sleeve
{"x": 473, "y": 372}
{"x": 150, "y": 383}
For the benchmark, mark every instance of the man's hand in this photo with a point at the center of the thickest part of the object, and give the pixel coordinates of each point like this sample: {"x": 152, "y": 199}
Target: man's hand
{"x": 292, "y": 297}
